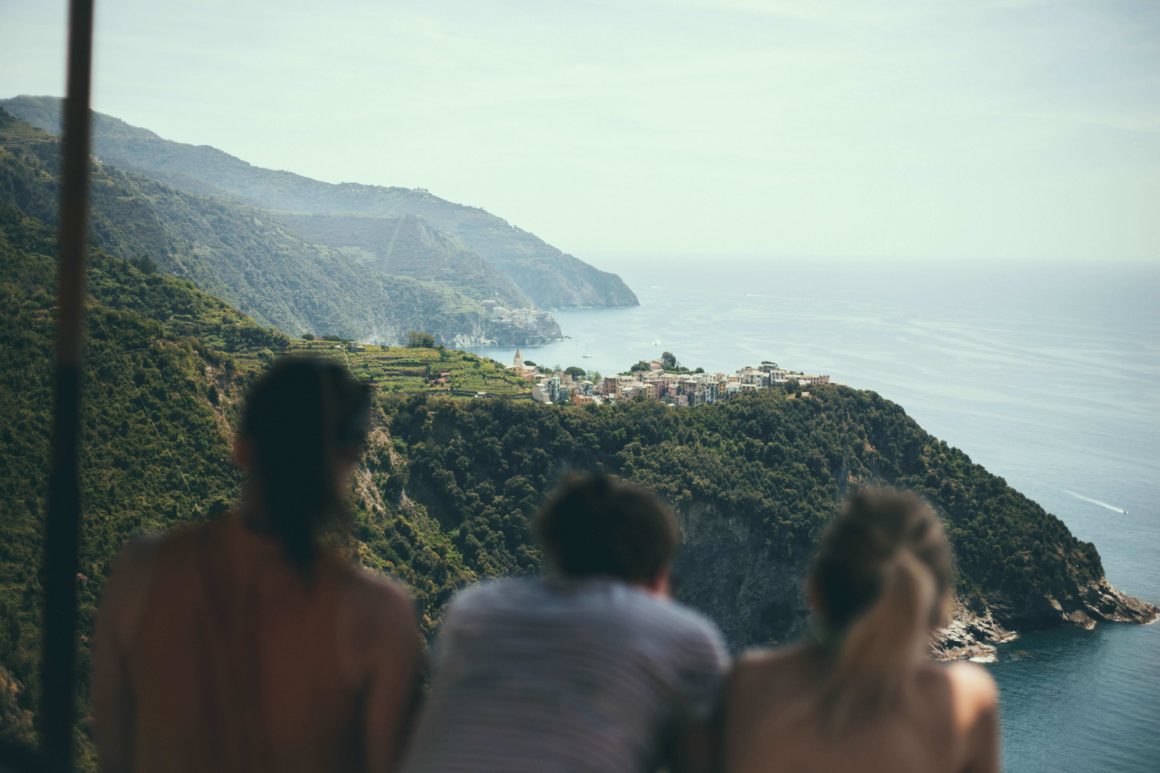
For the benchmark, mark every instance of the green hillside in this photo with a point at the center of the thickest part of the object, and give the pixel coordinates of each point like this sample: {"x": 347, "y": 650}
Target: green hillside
{"x": 402, "y": 370}
{"x": 243, "y": 255}
{"x": 754, "y": 480}
{"x": 166, "y": 366}
{"x": 408, "y": 246}
{"x": 550, "y": 277}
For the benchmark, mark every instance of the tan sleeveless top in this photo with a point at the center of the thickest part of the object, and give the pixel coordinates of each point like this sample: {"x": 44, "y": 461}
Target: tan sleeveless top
{"x": 236, "y": 664}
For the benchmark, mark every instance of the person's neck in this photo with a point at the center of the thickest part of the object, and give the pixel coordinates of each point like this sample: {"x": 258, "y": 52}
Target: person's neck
{"x": 658, "y": 587}
{"x": 252, "y": 514}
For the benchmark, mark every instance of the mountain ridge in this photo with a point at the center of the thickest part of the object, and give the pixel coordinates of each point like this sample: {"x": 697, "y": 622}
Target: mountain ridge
{"x": 409, "y": 246}
{"x": 550, "y": 277}
{"x": 243, "y": 255}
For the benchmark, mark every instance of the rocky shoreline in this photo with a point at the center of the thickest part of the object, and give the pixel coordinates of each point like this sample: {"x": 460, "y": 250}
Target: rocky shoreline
{"x": 974, "y": 633}
{"x": 971, "y": 636}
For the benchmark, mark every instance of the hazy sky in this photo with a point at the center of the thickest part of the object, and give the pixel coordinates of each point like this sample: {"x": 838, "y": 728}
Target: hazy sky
{"x": 914, "y": 129}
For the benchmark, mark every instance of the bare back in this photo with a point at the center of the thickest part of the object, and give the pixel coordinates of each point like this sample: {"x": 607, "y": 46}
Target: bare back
{"x": 947, "y": 721}
{"x": 214, "y": 654}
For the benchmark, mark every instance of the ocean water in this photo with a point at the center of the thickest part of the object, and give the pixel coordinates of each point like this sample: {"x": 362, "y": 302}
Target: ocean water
{"x": 1047, "y": 375}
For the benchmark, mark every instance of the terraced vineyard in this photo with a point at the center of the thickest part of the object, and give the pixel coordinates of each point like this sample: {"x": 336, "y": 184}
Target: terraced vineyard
{"x": 399, "y": 369}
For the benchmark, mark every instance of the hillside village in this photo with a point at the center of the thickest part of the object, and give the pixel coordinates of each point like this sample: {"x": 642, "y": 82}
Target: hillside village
{"x": 663, "y": 380}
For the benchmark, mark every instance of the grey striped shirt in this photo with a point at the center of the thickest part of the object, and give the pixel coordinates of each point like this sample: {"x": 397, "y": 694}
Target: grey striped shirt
{"x": 558, "y": 676}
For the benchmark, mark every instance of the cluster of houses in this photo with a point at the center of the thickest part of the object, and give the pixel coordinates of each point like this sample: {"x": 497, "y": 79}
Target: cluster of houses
{"x": 677, "y": 387}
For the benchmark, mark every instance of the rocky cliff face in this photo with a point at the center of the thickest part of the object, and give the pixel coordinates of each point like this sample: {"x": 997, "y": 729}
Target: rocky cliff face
{"x": 753, "y": 589}
{"x": 491, "y": 326}
{"x": 974, "y": 632}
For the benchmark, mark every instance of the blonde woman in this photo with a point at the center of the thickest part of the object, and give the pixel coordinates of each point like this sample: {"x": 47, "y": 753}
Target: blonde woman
{"x": 865, "y": 695}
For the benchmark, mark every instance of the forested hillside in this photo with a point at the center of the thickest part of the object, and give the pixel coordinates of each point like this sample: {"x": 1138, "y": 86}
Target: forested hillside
{"x": 550, "y": 277}
{"x": 165, "y": 368}
{"x": 754, "y": 479}
{"x": 245, "y": 256}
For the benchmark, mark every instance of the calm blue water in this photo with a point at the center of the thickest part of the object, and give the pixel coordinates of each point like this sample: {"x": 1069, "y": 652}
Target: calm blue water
{"x": 1049, "y": 376}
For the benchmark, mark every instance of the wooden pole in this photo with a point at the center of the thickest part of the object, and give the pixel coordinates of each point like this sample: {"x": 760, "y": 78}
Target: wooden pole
{"x": 61, "y": 547}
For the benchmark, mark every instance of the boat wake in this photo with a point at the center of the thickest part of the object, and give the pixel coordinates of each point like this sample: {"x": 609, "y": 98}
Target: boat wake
{"x": 1096, "y": 502}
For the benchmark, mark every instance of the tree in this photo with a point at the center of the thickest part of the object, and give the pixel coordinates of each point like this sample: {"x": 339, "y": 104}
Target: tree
{"x": 575, "y": 372}
{"x": 668, "y": 360}
{"x": 640, "y": 366}
{"x": 420, "y": 340}
{"x": 145, "y": 264}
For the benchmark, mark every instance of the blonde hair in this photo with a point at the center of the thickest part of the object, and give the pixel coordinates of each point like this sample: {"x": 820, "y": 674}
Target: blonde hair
{"x": 882, "y": 580}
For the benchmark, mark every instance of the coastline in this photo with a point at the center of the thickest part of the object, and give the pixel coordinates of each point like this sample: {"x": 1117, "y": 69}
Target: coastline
{"x": 974, "y": 634}
{"x": 971, "y": 636}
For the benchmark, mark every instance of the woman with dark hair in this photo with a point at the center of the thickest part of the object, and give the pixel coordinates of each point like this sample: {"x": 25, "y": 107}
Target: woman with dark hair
{"x": 249, "y": 642}
{"x": 865, "y": 695}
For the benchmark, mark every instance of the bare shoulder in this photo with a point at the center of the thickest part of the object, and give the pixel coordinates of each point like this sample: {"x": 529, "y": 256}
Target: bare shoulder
{"x": 974, "y": 701}
{"x": 136, "y": 557}
{"x": 772, "y": 659}
{"x": 132, "y": 568}
{"x": 376, "y": 623}
{"x": 760, "y": 681}
{"x": 373, "y": 597}
{"x": 123, "y": 596}
{"x": 973, "y": 683}
{"x": 755, "y": 668}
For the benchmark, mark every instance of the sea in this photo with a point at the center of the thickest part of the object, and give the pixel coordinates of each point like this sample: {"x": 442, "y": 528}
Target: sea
{"x": 1047, "y": 374}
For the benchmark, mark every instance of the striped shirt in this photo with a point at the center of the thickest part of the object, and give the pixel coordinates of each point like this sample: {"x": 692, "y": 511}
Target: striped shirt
{"x": 562, "y": 676}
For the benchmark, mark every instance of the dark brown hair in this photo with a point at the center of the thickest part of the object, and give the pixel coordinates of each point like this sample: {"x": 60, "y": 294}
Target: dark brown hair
{"x": 303, "y": 418}
{"x": 599, "y": 525}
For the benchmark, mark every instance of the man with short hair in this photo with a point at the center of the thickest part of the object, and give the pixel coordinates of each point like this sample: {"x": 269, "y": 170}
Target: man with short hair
{"x": 590, "y": 668}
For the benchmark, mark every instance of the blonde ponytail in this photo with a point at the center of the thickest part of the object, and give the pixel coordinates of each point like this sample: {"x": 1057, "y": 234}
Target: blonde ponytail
{"x": 880, "y": 648}
{"x": 879, "y": 580}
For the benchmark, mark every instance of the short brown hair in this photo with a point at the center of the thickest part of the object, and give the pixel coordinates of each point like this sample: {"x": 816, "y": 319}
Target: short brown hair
{"x": 599, "y": 525}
